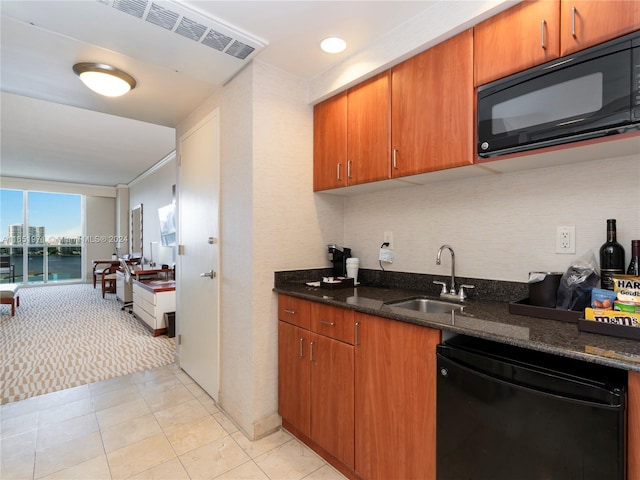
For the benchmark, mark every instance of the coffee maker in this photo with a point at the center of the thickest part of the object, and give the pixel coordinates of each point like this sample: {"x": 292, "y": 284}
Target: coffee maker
{"x": 339, "y": 259}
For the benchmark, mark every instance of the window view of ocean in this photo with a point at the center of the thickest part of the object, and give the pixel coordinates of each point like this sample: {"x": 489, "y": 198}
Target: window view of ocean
{"x": 40, "y": 236}
{"x": 60, "y": 267}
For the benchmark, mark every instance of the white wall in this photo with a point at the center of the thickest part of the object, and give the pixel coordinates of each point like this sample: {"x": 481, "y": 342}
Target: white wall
{"x": 154, "y": 190}
{"x": 291, "y": 226}
{"x": 500, "y": 226}
{"x": 270, "y": 220}
{"x": 100, "y": 223}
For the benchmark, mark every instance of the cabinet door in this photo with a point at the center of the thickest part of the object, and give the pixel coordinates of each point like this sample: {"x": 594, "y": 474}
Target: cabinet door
{"x": 633, "y": 426}
{"x": 293, "y": 376}
{"x": 330, "y": 143}
{"x": 518, "y": 38}
{"x": 332, "y": 387}
{"x": 432, "y": 108}
{"x": 368, "y": 130}
{"x": 395, "y": 399}
{"x": 585, "y": 23}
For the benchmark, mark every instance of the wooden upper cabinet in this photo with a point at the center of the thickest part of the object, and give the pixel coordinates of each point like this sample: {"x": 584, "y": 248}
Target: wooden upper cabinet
{"x": 518, "y": 38}
{"x": 330, "y": 143}
{"x": 351, "y": 136}
{"x": 368, "y": 130}
{"x": 585, "y": 23}
{"x": 432, "y": 109}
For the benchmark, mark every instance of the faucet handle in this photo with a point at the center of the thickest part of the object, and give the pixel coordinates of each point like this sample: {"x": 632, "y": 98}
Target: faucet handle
{"x": 462, "y": 294}
{"x": 444, "y": 286}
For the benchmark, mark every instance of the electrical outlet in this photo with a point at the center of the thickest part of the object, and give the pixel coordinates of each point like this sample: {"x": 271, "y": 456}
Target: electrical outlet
{"x": 566, "y": 239}
{"x": 388, "y": 238}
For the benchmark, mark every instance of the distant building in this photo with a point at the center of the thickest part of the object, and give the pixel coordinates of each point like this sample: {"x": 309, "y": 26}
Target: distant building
{"x": 36, "y": 235}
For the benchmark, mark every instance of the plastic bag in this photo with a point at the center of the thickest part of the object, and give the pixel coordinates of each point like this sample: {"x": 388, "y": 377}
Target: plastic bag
{"x": 574, "y": 292}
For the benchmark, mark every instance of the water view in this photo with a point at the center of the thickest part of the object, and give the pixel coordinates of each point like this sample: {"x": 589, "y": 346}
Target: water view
{"x": 60, "y": 267}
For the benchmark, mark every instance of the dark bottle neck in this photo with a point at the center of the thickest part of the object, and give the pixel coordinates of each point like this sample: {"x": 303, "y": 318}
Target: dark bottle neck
{"x": 635, "y": 248}
{"x": 611, "y": 230}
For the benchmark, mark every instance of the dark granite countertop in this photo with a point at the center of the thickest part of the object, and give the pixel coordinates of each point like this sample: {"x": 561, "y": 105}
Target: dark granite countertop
{"x": 485, "y": 319}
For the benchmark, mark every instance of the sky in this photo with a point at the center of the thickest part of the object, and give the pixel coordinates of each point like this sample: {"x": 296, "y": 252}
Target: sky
{"x": 60, "y": 214}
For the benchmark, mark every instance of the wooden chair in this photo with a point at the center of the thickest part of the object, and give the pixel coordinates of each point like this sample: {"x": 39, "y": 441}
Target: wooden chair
{"x": 108, "y": 282}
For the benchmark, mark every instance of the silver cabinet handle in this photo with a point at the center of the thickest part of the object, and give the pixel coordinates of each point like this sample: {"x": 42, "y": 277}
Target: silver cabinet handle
{"x": 357, "y": 334}
{"x": 542, "y": 39}
{"x": 349, "y": 168}
{"x": 311, "y": 351}
{"x": 324, "y": 322}
{"x": 211, "y": 274}
{"x": 291, "y": 312}
{"x": 573, "y": 22}
{"x": 301, "y": 350}
{"x": 395, "y": 158}
{"x": 339, "y": 172}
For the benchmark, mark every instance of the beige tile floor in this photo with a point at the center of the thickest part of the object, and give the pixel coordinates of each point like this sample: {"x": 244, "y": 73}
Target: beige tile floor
{"x": 156, "y": 424}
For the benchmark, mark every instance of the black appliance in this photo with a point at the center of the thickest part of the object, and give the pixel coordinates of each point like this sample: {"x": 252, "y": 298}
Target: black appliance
{"x": 590, "y": 94}
{"x": 507, "y": 413}
{"x": 339, "y": 259}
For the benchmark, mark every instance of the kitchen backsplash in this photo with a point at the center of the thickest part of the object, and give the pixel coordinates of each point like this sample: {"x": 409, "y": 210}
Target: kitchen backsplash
{"x": 484, "y": 290}
{"x": 501, "y": 226}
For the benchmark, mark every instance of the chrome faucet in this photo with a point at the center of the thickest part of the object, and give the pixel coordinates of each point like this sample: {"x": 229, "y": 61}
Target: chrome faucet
{"x": 451, "y": 294}
{"x": 452, "y": 291}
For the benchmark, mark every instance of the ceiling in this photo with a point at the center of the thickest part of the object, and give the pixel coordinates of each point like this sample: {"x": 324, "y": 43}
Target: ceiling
{"x": 54, "y": 128}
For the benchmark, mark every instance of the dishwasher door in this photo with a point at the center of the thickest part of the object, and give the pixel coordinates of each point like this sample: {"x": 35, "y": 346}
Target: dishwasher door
{"x": 513, "y": 414}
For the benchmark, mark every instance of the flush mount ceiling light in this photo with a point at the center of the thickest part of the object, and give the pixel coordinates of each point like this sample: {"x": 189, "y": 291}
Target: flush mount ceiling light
{"x": 333, "y": 45}
{"x": 104, "y": 79}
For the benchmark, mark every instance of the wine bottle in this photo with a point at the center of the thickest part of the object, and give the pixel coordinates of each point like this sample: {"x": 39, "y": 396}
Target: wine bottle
{"x": 634, "y": 265}
{"x": 611, "y": 257}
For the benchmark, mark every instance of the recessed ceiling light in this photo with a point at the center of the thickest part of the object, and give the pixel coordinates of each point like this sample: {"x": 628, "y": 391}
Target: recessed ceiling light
{"x": 333, "y": 45}
{"x": 104, "y": 79}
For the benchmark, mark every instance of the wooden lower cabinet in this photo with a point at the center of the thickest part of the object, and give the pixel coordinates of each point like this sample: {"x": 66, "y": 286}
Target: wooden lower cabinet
{"x": 395, "y": 399}
{"x": 316, "y": 379}
{"x": 332, "y": 391}
{"x": 294, "y": 376}
{"x": 368, "y": 405}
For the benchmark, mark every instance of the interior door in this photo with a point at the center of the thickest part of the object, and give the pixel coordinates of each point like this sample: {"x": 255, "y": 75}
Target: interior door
{"x": 197, "y": 316}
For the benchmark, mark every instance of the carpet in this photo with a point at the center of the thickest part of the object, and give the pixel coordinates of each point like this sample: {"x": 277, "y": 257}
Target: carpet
{"x": 63, "y": 336}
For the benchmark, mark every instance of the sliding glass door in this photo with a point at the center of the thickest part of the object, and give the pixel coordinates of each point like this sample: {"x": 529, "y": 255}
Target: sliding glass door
{"x": 43, "y": 240}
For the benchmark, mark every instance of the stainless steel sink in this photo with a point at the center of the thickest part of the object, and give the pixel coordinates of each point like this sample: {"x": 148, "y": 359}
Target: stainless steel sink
{"x": 427, "y": 305}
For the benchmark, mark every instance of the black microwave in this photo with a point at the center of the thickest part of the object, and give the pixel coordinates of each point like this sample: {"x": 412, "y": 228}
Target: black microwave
{"x": 590, "y": 94}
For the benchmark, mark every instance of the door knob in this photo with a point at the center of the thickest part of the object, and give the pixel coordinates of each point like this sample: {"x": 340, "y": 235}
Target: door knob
{"x": 211, "y": 274}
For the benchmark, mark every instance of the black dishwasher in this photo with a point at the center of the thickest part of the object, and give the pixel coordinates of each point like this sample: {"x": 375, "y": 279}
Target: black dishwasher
{"x": 509, "y": 413}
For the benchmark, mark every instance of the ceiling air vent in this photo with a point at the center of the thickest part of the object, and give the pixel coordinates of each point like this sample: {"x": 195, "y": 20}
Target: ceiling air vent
{"x": 190, "y": 24}
{"x": 216, "y": 40}
{"x": 132, "y": 7}
{"x": 240, "y": 50}
{"x": 162, "y": 17}
{"x": 191, "y": 29}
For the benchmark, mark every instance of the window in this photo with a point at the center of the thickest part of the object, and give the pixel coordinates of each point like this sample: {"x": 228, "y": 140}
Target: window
{"x": 48, "y": 228}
